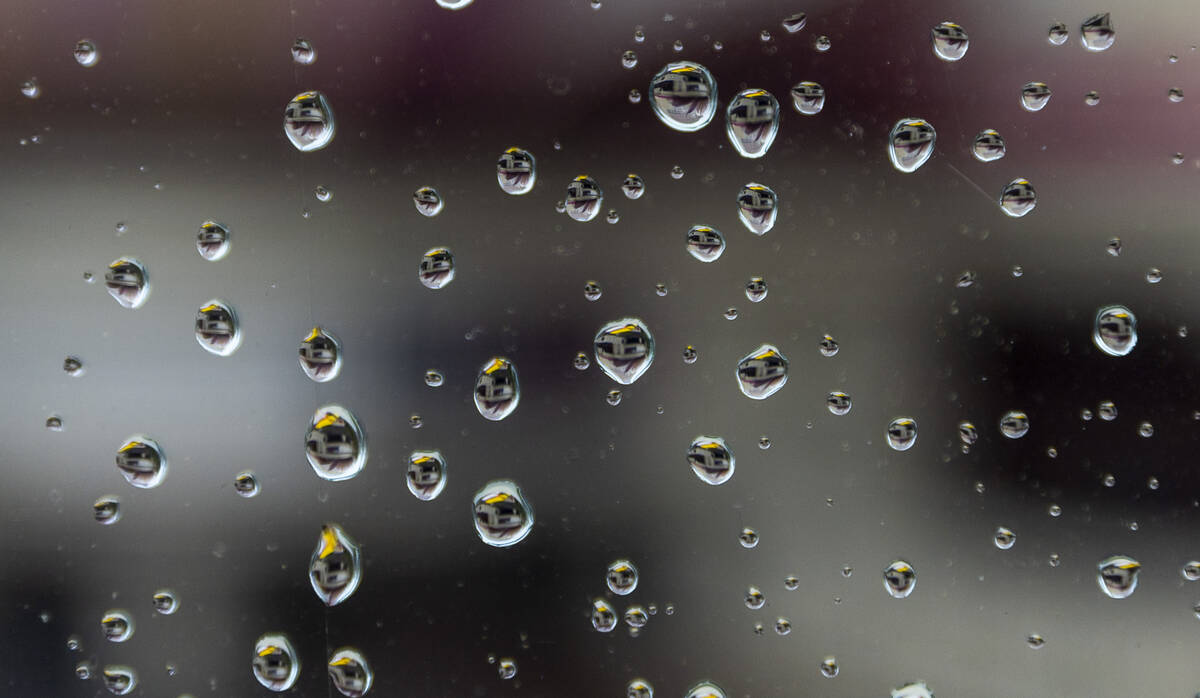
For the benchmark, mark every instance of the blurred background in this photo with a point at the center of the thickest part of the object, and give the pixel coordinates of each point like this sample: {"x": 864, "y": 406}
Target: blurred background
{"x": 180, "y": 121}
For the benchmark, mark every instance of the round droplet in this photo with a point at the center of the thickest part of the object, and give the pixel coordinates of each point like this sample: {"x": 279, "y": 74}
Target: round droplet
{"x": 838, "y": 403}
{"x": 276, "y": 664}
{"x": 323, "y": 194}
{"x": 453, "y": 4}
{"x": 1034, "y": 96}
{"x": 684, "y": 95}
{"x": 308, "y": 122}
{"x": 622, "y": 577}
{"x": 1191, "y": 571}
{"x": 757, "y": 207}
{"x": 1057, "y": 34}
{"x": 1017, "y": 271}
{"x": 584, "y": 199}
{"x": 967, "y": 434}
{"x": 437, "y": 268}
{"x": 516, "y": 171}
{"x": 613, "y": 397}
{"x": 604, "y": 618}
{"x": 635, "y": 617}
{"x": 755, "y": 599}
{"x": 794, "y": 23}
{"x": 1054, "y": 510}
{"x": 808, "y": 98}
{"x": 1035, "y": 641}
{"x": 246, "y": 484}
{"x": 212, "y": 241}
{"x": 828, "y": 346}
{"x": 1177, "y": 159}
{"x": 705, "y": 689}
{"x": 497, "y": 390}
{"x": 676, "y": 172}
{"x": 731, "y": 313}
{"x": 303, "y": 52}
{"x": 350, "y": 672}
{"x": 1004, "y": 538}
{"x": 988, "y": 146}
{"x": 1097, "y": 33}
{"x": 335, "y": 569}
{"x": 711, "y": 459}
{"x": 334, "y": 445}
{"x": 86, "y": 53}
{"x": 1153, "y": 275}
{"x": 1014, "y": 424}
{"x": 128, "y": 282}
{"x": 581, "y": 361}
{"x": 748, "y": 538}
{"x": 107, "y": 510}
{"x": 752, "y": 122}
{"x": 54, "y": 423}
{"x": 629, "y": 60}
{"x": 690, "y": 355}
{"x": 1109, "y": 480}
{"x": 1175, "y": 94}
{"x": 507, "y": 668}
{"x": 592, "y": 291}
{"x": 31, "y": 89}
{"x": 950, "y": 41}
{"x": 635, "y": 96}
{"x": 1118, "y": 576}
{"x": 1115, "y": 330}
{"x": 624, "y": 350}
{"x": 502, "y": 516}
{"x": 705, "y": 243}
{"x": 764, "y": 442}
{"x": 822, "y": 43}
{"x": 783, "y": 626}
{"x": 1018, "y": 198}
{"x": 165, "y": 602}
{"x": 217, "y": 328}
{"x": 1091, "y": 98}
{"x": 119, "y": 680}
{"x": 434, "y": 378}
{"x": 141, "y": 462}
{"x": 320, "y": 355}
{"x": 117, "y": 625}
{"x": 1107, "y": 410}
{"x": 902, "y": 433}
{"x": 426, "y": 474}
{"x": 791, "y": 583}
{"x": 415, "y": 421}
{"x": 1145, "y": 430}
{"x": 613, "y": 217}
{"x": 911, "y": 144}
{"x": 756, "y": 289}
{"x": 1054, "y": 560}
{"x": 633, "y": 187}
{"x": 639, "y": 688}
{"x": 73, "y": 366}
{"x": 428, "y": 201}
{"x": 899, "y": 579}
{"x": 762, "y": 372}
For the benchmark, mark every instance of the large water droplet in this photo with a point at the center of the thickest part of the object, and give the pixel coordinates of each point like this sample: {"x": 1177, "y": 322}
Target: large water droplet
{"x": 86, "y": 53}
{"x": 335, "y": 569}
{"x": 604, "y": 618}
{"x": 912, "y": 690}
{"x": 752, "y": 122}
{"x": 335, "y": 445}
{"x": 502, "y": 515}
{"x": 988, "y": 146}
{"x": 1115, "y": 332}
{"x": 711, "y": 459}
{"x": 624, "y": 350}
{"x": 762, "y": 372}
{"x": 808, "y": 98}
{"x": 1014, "y": 424}
{"x": 1018, "y": 198}
{"x": 705, "y": 689}
{"x": 1118, "y": 576}
{"x": 350, "y": 672}
{"x": 899, "y": 579}
{"x": 1034, "y": 96}
{"x": 497, "y": 390}
{"x": 584, "y": 199}
{"x": 757, "y": 208}
{"x": 684, "y": 96}
{"x": 320, "y": 355}
{"x": 212, "y": 241}
{"x": 902, "y": 433}
{"x": 426, "y": 474}
{"x": 217, "y": 328}
{"x": 107, "y": 510}
{"x": 436, "y": 268}
{"x": 705, "y": 243}
{"x": 1097, "y": 33}
{"x": 303, "y": 52}
{"x": 142, "y": 462}
{"x": 117, "y": 626}
{"x": 276, "y": 664}
{"x": 516, "y": 171}
{"x": 128, "y": 282}
{"x": 308, "y": 121}
{"x": 119, "y": 680}
{"x": 950, "y": 41}
{"x": 622, "y": 577}
{"x": 911, "y": 143}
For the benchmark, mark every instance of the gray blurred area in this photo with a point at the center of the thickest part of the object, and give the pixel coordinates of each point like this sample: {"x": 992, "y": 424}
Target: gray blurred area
{"x": 190, "y": 96}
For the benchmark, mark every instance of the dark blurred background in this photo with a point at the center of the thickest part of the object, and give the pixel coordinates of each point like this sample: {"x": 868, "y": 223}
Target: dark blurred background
{"x": 180, "y": 121}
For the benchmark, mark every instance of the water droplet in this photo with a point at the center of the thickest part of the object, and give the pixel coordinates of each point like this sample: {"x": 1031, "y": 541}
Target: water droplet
{"x": 308, "y": 122}
{"x": 1034, "y": 96}
{"x": 1109, "y": 480}
{"x": 107, "y": 510}
{"x": 1191, "y": 571}
{"x": 1152, "y": 483}
{"x": 757, "y": 207}
{"x": 822, "y": 44}
{"x": 320, "y": 355}
{"x": 1145, "y": 430}
{"x": 794, "y": 23}
{"x": 117, "y": 625}
{"x": 1018, "y": 198}
{"x": 808, "y": 98}
{"x": 323, "y": 194}
{"x": 497, "y": 389}
{"x": 516, "y": 171}
{"x": 335, "y": 569}
{"x": 31, "y": 89}
{"x": 88, "y": 277}
{"x": 902, "y": 433}
{"x": 829, "y": 667}
{"x": 1097, "y": 33}
{"x": 1175, "y": 94}
{"x": 783, "y": 626}
{"x": 690, "y": 355}
{"x": 502, "y": 516}
{"x": 350, "y": 672}
{"x": 748, "y": 538}
{"x": 899, "y": 579}
{"x": 428, "y": 201}
{"x": 639, "y": 688}
{"x": 1118, "y": 576}
{"x": 303, "y": 51}
{"x": 1107, "y": 410}
{"x": 1055, "y": 510}
{"x": 507, "y": 668}
{"x": 1055, "y": 560}
{"x": 1091, "y": 98}
{"x": 624, "y": 350}
{"x": 1004, "y": 538}
{"x": 74, "y": 643}
{"x": 276, "y": 664}
{"x": 1057, "y": 34}
{"x": 604, "y": 618}
{"x": 754, "y": 598}
{"x": 756, "y": 289}
{"x": 633, "y": 187}
{"x": 165, "y": 602}
{"x": 622, "y": 577}
{"x": 1177, "y": 159}
{"x": 950, "y": 41}
{"x": 119, "y": 680}
{"x": 1154, "y": 275}
{"x": 128, "y": 282}
{"x": 246, "y": 484}
{"x": 676, "y": 172}
{"x": 911, "y": 144}
{"x": 752, "y": 122}
{"x": 1014, "y": 424}
{"x": 54, "y": 423}
{"x": 426, "y": 474}
{"x": 967, "y": 434}
{"x": 592, "y": 291}
{"x": 705, "y": 243}
{"x": 334, "y": 445}
{"x": 764, "y": 36}
{"x": 436, "y": 269}
{"x": 829, "y": 346}
{"x": 711, "y": 459}
{"x": 212, "y": 242}
{"x": 764, "y": 442}
{"x": 988, "y": 146}
{"x": 142, "y": 462}
{"x": 584, "y": 199}
{"x": 83, "y": 670}
{"x": 635, "y": 617}
{"x": 762, "y": 372}
{"x": 217, "y": 328}
{"x": 684, "y": 95}
{"x": 1035, "y": 641}
{"x": 838, "y": 403}
{"x": 629, "y": 60}
{"x": 86, "y": 53}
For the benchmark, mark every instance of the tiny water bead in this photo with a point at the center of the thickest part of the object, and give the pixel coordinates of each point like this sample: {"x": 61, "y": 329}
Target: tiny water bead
{"x": 117, "y": 625}
{"x": 757, "y": 207}
{"x": 350, "y": 672}
{"x": 73, "y": 366}
{"x": 1118, "y": 576}
{"x": 1154, "y": 275}
{"x": 635, "y": 617}
{"x": 497, "y": 389}
{"x": 415, "y": 421}
{"x": 128, "y": 282}
{"x": 1054, "y": 510}
{"x": 507, "y": 668}
{"x": 828, "y": 346}
{"x": 808, "y": 98}
{"x": 756, "y": 289}
{"x": 639, "y": 688}
{"x": 613, "y": 398}
{"x": 902, "y": 433}
{"x": 838, "y": 403}
{"x": 783, "y": 626}
{"x": 988, "y": 146}
{"x": 1014, "y": 424}
{"x": 899, "y": 579}
{"x": 434, "y": 378}
{"x": 308, "y": 122}
{"x": 633, "y": 187}
{"x": 502, "y": 515}
{"x": 822, "y": 43}
{"x": 217, "y": 329}
{"x": 604, "y": 618}
{"x": 912, "y": 690}
{"x": 1004, "y": 538}
{"x": 1091, "y": 98}
{"x": 754, "y": 598}
{"x": 83, "y": 670}
{"x": 683, "y": 95}
{"x": 303, "y": 52}
{"x": 212, "y": 242}
{"x": 581, "y": 361}
{"x": 119, "y": 680}
{"x": 1191, "y": 571}
{"x": 1107, "y": 410}
{"x": 1109, "y": 480}
{"x": 1035, "y": 641}
{"x": 426, "y": 474}
{"x": 676, "y": 172}
{"x": 752, "y": 122}
{"x": 764, "y": 442}
{"x": 436, "y": 269}
{"x": 705, "y": 243}
{"x": 690, "y": 355}
{"x": 624, "y": 350}
{"x": 428, "y": 201}
{"x": 1035, "y": 96}
{"x": 54, "y": 423}
{"x": 911, "y": 144}
{"x": 711, "y": 459}
{"x": 246, "y": 484}
{"x": 1055, "y": 560}
{"x": 705, "y": 689}
{"x": 748, "y": 538}
{"x": 275, "y": 664}
{"x": 107, "y": 510}
{"x": 320, "y": 355}
{"x": 1175, "y": 94}
{"x": 762, "y": 372}
{"x": 584, "y": 199}
{"x": 1097, "y": 33}
{"x": 31, "y": 89}
{"x": 1145, "y": 430}
{"x": 86, "y": 54}
{"x": 335, "y": 569}
{"x": 794, "y": 23}
{"x": 516, "y": 171}
{"x": 829, "y": 667}
{"x": 622, "y": 577}
{"x": 141, "y": 462}
{"x": 1018, "y": 198}
{"x": 335, "y": 445}
{"x": 592, "y": 291}
{"x": 629, "y": 60}
{"x": 950, "y": 41}
{"x": 1057, "y": 33}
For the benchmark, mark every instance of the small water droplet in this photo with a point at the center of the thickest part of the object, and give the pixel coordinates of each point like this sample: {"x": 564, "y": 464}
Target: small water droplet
{"x": 1152, "y": 483}
{"x": 911, "y": 144}
{"x": 335, "y": 569}
{"x": 635, "y": 616}
{"x": 676, "y": 172}
{"x": 516, "y": 171}
{"x": 1057, "y": 33}
{"x": 276, "y": 664}
{"x": 1175, "y": 94}
{"x": 31, "y": 89}
{"x": 1107, "y": 410}
{"x": 1018, "y": 198}
{"x": 303, "y": 52}
{"x": 613, "y": 398}
{"x": 217, "y": 328}
{"x": 212, "y": 242}
{"x": 950, "y": 41}
{"x": 428, "y": 201}
{"x": 1154, "y": 275}
{"x": 141, "y": 462}
{"x": 902, "y": 433}
{"x": 117, "y": 625}
{"x": 320, "y": 355}
{"x": 1004, "y": 538}
{"x": 83, "y": 670}
{"x": 1145, "y": 430}
{"x": 612, "y": 217}
{"x": 829, "y": 346}
{"x": 754, "y": 598}
{"x": 323, "y": 194}
{"x": 988, "y": 146}
{"x": 635, "y": 96}
{"x": 592, "y": 291}
{"x": 502, "y": 515}
{"x": 639, "y": 688}
{"x": 1177, "y": 159}
{"x": 629, "y": 60}
{"x": 684, "y": 95}
{"x": 757, "y": 208}
{"x": 1118, "y": 576}
{"x": 752, "y": 122}
{"x": 748, "y": 538}
{"x": 1034, "y": 96}
{"x": 426, "y": 474}
{"x": 622, "y": 577}
{"x": 584, "y": 199}
{"x": 1055, "y": 560}
{"x": 497, "y": 389}
{"x": 350, "y": 672}
{"x": 711, "y": 459}
{"x": 794, "y": 23}
{"x": 705, "y": 243}
{"x": 246, "y": 484}
{"x": 86, "y": 53}
{"x": 764, "y": 442}
{"x": 334, "y": 445}
{"x": 165, "y": 602}
{"x": 119, "y": 680}
{"x": 822, "y": 44}
{"x": 128, "y": 282}
{"x": 762, "y": 372}
{"x": 639, "y": 36}
{"x": 107, "y": 509}
{"x": 436, "y": 269}
{"x": 677, "y": 47}
{"x": 507, "y": 668}
{"x": 308, "y": 122}
{"x": 1014, "y": 424}
{"x": 689, "y": 354}
{"x": 1097, "y": 33}
{"x": 838, "y": 403}
{"x": 1035, "y": 641}
{"x": 633, "y": 187}
{"x": 604, "y": 618}
{"x": 783, "y": 626}
{"x": 624, "y": 350}
{"x": 1091, "y": 98}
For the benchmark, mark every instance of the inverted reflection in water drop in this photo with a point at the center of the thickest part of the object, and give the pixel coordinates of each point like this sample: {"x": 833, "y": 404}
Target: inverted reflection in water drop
{"x": 86, "y": 54}
{"x": 629, "y": 60}
{"x": 212, "y": 242}
{"x": 752, "y": 122}
{"x": 757, "y": 207}
{"x": 829, "y": 667}
{"x": 142, "y": 462}
{"x": 584, "y": 199}
{"x": 54, "y": 423}
{"x": 1115, "y": 331}
{"x": 829, "y": 346}
{"x": 1097, "y": 33}
{"x": 436, "y": 269}
{"x": 217, "y": 328}
{"x": 308, "y": 122}
{"x": 73, "y": 366}
{"x": 507, "y": 668}
{"x": 516, "y": 171}
{"x": 604, "y": 618}
{"x": 762, "y": 372}
{"x": 1004, "y": 538}
{"x": 902, "y": 433}
{"x": 503, "y": 517}
{"x": 622, "y": 577}
{"x": 711, "y": 459}
{"x": 276, "y": 664}
{"x": 705, "y": 689}
{"x": 912, "y": 690}
{"x": 1057, "y": 34}
{"x": 1034, "y": 96}
{"x": 1118, "y": 576}
{"x": 1014, "y": 424}
{"x": 633, "y": 187}
{"x": 639, "y": 688}
{"x": 246, "y": 484}
{"x": 31, "y": 89}
{"x": 635, "y": 617}
{"x": 426, "y": 474}
{"x": 320, "y": 355}
{"x": 1175, "y": 94}
{"x": 428, "y": 201}
{"x": 303, "y": 52}
{"x": 128, "y": 282}
{"x": 822, "y": 44}
{"x": 323, "y": 194}
{"x": 950, "y": 41}
{"x": 335, "y": 570}
{"x": 1018, "y": 198}
{"x": 705, "y": 243}
{"x": 756, "y": 289}
{"x": 165, "y": 601}
{"x": 119, "y": 680}
{"x": 794, "y": 23}
{"x": 838, "y": 403}
{"x": 107, "y": 510}
{"x": 988, "y": 146}
{"x": 899, "y": 579}
{"x": 335, "y": 445}
{"x": 754, "y": 598}
{"x": 684, "y": 96}
{"x": 350, "y": 672}
{"x": 497, "y": 389}
{"x": 624, "y": 350}
{"x": 911, "y": 144}
{"x": 808, "y": 98}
